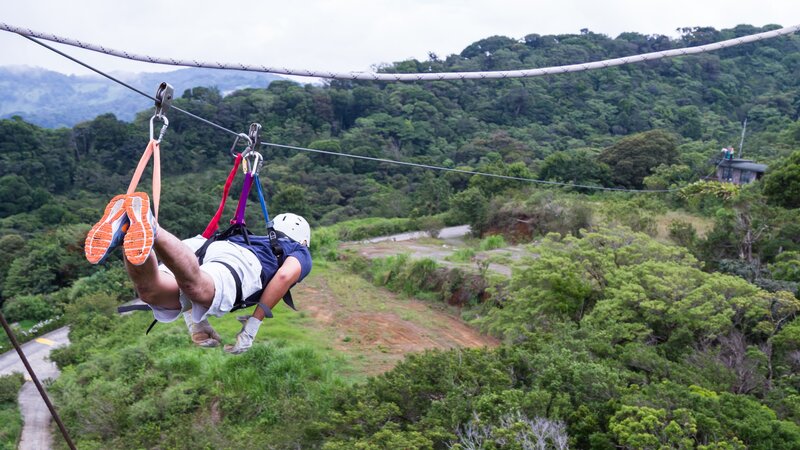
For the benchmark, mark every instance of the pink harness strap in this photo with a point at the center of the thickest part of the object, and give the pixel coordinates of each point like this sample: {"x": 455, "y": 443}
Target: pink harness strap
{"x": 153, "y": 149}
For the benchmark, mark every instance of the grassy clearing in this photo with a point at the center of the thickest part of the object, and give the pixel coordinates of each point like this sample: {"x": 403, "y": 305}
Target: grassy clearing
{"x": 702, "y": 224}
{"x": 354, "y": 293}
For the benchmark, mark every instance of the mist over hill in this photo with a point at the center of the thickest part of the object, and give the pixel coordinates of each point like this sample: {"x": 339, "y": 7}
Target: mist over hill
{"x": 52, "y": 99}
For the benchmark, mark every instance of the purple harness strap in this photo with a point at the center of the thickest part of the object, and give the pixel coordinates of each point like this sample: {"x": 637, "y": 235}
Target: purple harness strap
{"x": 239, "y": 218}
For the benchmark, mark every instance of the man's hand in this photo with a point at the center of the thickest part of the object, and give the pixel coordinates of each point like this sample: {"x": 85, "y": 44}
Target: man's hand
{"x": 203, "y": 335}
{"x": 244, "y": 340}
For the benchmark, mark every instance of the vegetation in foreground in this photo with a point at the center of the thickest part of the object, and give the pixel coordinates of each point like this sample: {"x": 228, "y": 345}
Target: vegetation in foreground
{"x": 612, "y": 340}
{"x": 10, "y": 418}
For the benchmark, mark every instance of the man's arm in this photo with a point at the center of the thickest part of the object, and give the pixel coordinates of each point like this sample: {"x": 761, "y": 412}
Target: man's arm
{"x": 286, "y": 276}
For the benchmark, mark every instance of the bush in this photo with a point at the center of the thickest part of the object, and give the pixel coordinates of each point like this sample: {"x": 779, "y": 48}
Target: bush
{"x": 683, "y": 233}
{"x": 113, "y": 282}
{"x": 28, "y": 307}
{"x": 630, "y": 215}
{"x": 354, "y": 230}
{"x": 492, "y": 242}
{"x": 10, "y": 386}
{"x": 461, "y": 255}
{"x": 92, "y": 314}
{"x": 542, "y": 213}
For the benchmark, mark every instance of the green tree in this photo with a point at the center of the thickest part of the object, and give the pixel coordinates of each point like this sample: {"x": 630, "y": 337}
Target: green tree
{"x": 292, "y": 198}
{"x": 635, "y": 157}
{"x": 577, "y": 167}
{"x": 471, "y": 207}
{"x": 782, "y": 182}
{"x": 641, "y": 427}
{"x": 17, "y": 196}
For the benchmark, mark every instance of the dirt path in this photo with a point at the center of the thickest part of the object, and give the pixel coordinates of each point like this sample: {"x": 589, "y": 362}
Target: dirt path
{"x": 376, "y": 328}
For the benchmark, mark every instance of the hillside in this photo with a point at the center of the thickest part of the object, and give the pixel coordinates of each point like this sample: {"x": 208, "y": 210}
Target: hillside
{"x": 52, "y": 100}
{"x": 623, "y": 319}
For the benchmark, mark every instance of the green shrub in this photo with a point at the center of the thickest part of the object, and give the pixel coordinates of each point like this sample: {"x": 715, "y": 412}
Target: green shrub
{"x": 112, "y": 281}
{"x": 786, "y": 266}
{"x": 10, "y": 386}
{"x": 683, "y": 233}
{"x": 91, "y": 314}
{"x": 492, "y": 242}
{"x": 461, "y": 255}
{"x": 28, "y": 307}
{"x": 324, "y": 243}
{"x": 354, "y": 230}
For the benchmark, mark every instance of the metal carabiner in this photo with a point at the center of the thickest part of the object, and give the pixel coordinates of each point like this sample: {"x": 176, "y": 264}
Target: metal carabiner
{"x": 258, "y": 160}
{"x": 236, "y": 142}
{"x": 163, "y": 128}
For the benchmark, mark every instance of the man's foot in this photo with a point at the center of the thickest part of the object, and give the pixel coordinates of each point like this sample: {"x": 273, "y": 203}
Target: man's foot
{"x": 108, "y": 233}
{"x": 142, "y": 232}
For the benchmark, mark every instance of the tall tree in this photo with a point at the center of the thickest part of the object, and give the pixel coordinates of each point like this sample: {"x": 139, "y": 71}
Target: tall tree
{"x": 635, "y": 157}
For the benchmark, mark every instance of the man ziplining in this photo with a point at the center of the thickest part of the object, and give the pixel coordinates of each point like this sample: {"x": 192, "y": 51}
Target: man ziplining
{"x": 229, "y": 270}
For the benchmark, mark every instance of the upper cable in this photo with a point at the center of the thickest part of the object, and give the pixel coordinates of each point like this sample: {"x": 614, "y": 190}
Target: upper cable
{"x": 375, "y": 76}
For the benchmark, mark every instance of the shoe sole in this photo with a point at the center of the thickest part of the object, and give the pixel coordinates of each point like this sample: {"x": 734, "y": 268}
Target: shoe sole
{"x": 139, "y": 238}
{"x": 103, "y": 233}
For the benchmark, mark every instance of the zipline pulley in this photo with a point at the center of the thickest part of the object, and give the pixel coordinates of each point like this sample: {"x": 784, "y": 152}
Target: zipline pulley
{"x": 164, "y": 95}
{"x": 255, "y": 135}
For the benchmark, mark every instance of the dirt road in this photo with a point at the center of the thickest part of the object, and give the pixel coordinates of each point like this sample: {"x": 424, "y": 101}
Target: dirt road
{"x": 377, "y": 328}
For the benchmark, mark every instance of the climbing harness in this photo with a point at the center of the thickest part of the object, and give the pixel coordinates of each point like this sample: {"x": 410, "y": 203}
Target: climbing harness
{"x": 252, "y": 161}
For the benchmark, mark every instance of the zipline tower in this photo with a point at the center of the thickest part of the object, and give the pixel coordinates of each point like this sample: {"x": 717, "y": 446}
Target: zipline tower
{"x": 738, "y": 170}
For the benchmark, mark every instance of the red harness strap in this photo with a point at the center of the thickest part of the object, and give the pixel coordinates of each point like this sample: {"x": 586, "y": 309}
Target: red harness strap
{"x": 214, "y": 224}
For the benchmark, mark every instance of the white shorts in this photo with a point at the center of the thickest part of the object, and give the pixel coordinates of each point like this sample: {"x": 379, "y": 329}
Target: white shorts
{"x": 239, "y": 258}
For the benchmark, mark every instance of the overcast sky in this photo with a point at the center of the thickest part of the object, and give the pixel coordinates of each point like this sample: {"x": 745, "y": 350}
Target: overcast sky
{"x": 341, "y": 35}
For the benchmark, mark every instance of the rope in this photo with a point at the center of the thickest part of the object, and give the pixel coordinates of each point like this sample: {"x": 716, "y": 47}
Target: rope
{"x": 373, "y": 76}
{"x": 348, "y": 155}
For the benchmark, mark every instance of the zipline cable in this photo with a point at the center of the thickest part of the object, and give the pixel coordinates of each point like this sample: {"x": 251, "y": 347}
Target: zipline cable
{"x": 374, "y": 76}
{"x": 349, "y": 155}
{"x": 469, "y": 172}
{"x": 36, "y": 382}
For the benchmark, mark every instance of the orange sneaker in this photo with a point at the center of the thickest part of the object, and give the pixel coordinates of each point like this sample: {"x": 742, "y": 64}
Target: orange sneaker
{"x": 142, "y": 232}
{"x": 108, "y": 233}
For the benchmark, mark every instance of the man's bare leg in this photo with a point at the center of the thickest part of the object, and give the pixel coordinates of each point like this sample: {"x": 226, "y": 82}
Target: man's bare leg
{"x": 154, "y": 288}
{"x": 159, "y": 289}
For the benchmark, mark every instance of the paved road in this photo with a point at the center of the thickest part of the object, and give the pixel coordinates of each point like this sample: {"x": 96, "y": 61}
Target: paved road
{"x": 445, "y": 233}
{"x": 36, "y": 430}
{"x": 451, "y": 240}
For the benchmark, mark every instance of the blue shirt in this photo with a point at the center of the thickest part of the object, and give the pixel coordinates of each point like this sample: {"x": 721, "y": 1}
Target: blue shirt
{"x": 260, "y": 246}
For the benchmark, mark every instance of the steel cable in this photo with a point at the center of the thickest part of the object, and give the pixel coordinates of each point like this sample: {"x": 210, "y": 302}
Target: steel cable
{"x": 375, "y": 76}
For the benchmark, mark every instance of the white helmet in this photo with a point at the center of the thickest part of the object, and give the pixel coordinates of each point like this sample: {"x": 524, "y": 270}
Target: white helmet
{"x": 293, "y": 226}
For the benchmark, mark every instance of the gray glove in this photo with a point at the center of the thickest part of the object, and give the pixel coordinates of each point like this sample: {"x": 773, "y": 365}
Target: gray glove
{"x": 244, "y": 340}
{"x": 202, "y": 333}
